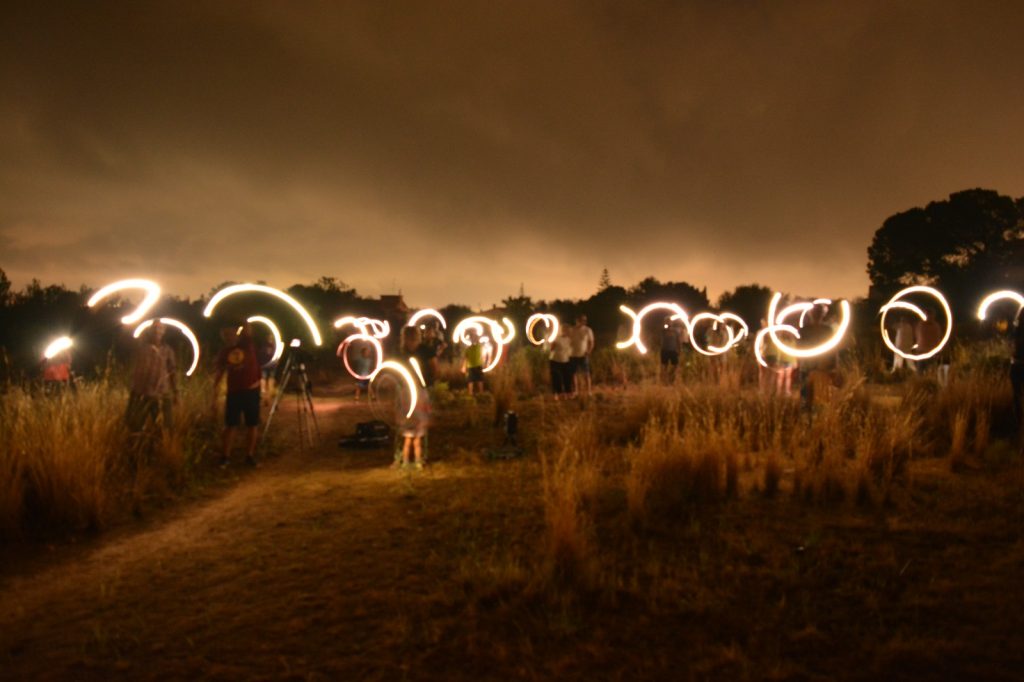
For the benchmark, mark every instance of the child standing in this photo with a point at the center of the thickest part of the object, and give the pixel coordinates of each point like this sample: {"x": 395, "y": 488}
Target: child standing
{"x": 473, "y": 363}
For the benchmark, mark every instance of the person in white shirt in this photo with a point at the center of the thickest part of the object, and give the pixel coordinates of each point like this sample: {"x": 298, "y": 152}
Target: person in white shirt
{"x": 581, "y": 339}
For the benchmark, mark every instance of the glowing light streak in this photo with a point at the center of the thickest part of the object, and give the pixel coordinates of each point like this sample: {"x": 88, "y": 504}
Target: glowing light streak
{"x": 270, "y": 291}
{"x": 716, "y": 319}
{"x": 733, "y": 317}
{"x": 180, "y": 326}
{"x": 634, "y": 340}
{"x": 57, "y": 346}
{"x": 151, "y": 288}
{"x": 548, "y": 319}
{"x": 510, "y": 328}
{"x": 895, "y": 302}
{"x": 999, "y": 296}
{"x": 406, "y": 375}
{"x": 275, "y": 332}
{"x": 426, "y": 312}
{"x": 759, "y": 340}
{"x": 820, "y": 349}
{"x": 368, "y": 338}
{"x": 367, "y": 325}
{"x": 476, "y": 323}
{"x": 419, "y": 373}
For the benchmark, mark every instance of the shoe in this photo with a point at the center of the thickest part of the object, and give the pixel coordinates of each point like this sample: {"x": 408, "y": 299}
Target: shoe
{"x": 418, "y": 466}
{"x": 250, "y": 461}
{"x": 223, "y": 462}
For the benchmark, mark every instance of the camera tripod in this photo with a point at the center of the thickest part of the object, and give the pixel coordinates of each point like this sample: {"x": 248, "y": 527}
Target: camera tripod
{"x": 296, "y": 370}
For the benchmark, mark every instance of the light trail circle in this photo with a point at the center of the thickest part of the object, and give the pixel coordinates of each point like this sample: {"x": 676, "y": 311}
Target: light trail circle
{"x": 270, "y": 291}
{"x": 716, "y": 320}
{"x": 895, "y": 302}
{"x": 634, "y": 340}
{"x": 151, "y": 288}
{"x": 820, "y": 349}
{"x": 1006, "y": 294}
{"x": 547, "y": 319}
{"x": 275, "y": 332}
{"x": 180, "y": 326}
{"x": 426, "y": 312}
{"x": 342, "y": 353}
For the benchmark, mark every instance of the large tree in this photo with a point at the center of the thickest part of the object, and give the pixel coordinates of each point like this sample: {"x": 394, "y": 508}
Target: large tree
{"x": 965, "y": 245}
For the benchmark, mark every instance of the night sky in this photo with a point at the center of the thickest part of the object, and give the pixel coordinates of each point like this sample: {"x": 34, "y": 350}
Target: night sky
{"x": 456, "y": 150}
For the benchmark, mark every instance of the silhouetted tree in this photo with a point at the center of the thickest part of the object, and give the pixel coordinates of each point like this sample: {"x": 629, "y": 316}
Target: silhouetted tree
{"x": 749, "y": 301}
{"x": 605, "y": 281}
{"x": 965, "y": 245}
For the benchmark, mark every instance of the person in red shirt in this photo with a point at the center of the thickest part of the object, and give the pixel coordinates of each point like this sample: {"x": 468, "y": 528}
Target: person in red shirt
{"x": 239, "y": 362}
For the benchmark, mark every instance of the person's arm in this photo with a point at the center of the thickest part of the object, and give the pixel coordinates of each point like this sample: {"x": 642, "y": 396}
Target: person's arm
{"x": 590, "y": 342}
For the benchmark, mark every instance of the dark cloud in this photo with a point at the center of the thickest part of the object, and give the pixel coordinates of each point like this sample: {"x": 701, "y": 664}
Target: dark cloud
{"x": 456, "y": 150}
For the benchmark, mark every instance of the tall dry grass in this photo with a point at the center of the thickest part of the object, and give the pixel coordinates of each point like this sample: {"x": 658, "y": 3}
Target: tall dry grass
{"x": 67, "y": 461}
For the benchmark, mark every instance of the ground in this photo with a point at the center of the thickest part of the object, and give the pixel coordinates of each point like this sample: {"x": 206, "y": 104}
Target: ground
{"x": 328, "y": 564}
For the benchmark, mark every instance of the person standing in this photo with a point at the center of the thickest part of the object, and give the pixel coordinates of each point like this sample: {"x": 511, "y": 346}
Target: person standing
{"x": 239, "y": 362}
{"x": 1017, "y": 371}
{"x": 927, "y": 337}
{"x": 817, "y": 373}
{"x": 473, "y": 363}
{"x": 429, "y": 349}
{"x": 582, "y": 342}
{"x": 154, "y": 388}
{"x": 57, "y": 373}
{"x": 905, "y": 343}
{"x": 670, "y": 345}
{"x": 559, "y": 356}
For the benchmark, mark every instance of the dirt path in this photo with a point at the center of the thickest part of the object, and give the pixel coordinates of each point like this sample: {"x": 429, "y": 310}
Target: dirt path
{"x": 317, "y": 562}
{"x": 330, "y": 565}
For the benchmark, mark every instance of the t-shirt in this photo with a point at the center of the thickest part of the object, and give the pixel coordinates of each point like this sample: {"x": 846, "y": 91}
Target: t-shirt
{"x": 560, "y": 349}
{"x": 241, "y": 364}
{"x": 581, "y": 340}
{"x": 669, "y": 340}
{"x": 474, "y": 355}
{"x": 154, "y": 366}
{"x": 58, "y": 368}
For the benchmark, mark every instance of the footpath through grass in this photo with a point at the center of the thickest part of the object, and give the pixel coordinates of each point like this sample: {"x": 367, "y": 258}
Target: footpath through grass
{"x": 330, "y": 565}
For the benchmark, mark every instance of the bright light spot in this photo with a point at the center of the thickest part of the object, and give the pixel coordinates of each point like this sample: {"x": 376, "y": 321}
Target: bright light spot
{"x": 426, "y": 312}
{"x": 56, "y": 347}
{"x": 634, "y": 340}
{"x": 895, "y": 302}
{"x": 151, "y": 288}
{"x": 180, "y": 326}
{"x": 275, "y": 332}
{"x": 295, "y": 343}
{"x": 404, "y": 373}
{"x": 548, "y": 319}
{"x": 820, "y": 349}
{"x": 270, "y": 291}
{"x": 999, "y": 296}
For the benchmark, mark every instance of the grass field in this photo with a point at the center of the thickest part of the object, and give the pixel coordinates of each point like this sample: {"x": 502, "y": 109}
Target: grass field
{"x": 692, "y": 531}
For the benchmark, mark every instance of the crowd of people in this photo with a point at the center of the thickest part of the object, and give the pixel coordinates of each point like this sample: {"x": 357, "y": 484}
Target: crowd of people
{"x": 246, "y": 369}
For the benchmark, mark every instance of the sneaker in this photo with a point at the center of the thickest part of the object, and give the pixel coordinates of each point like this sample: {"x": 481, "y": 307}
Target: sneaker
{"x": 418, "y": 466}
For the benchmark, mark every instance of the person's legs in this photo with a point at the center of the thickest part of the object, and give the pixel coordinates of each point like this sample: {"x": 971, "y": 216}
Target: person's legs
{"x": 406, "y": 449}
{"x": 228, "y": 443}
{"x": 417, "y": 448}
{"x": 1017, "y": 381}
{"x": 556, "y": 379}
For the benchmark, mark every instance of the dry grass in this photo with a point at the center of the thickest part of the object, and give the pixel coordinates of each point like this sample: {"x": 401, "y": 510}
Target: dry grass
{"x": 68, "y": 461}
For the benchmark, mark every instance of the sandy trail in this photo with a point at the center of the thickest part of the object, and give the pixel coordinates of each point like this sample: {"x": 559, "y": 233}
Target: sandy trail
{"x": 315, "y": 562}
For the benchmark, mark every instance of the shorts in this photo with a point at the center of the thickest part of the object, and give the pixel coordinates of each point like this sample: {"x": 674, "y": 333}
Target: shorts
{"x": 242, "y": 403}
{"x": 475, "y": 374}
{"x": 670, "y": 357}
{"x": 580, "y": 364}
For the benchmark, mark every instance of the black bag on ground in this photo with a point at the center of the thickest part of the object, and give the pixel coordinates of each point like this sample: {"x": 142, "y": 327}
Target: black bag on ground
{"x": 370, "y": 434}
